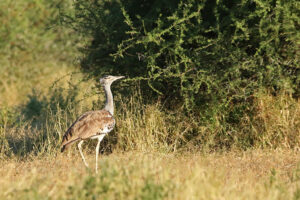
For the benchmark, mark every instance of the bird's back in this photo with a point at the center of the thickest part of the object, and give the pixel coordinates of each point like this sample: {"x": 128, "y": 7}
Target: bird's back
{"x": 88, "y": 125}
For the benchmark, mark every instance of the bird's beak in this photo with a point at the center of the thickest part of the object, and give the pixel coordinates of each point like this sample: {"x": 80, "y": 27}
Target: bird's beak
{"x": 120, "y": 77}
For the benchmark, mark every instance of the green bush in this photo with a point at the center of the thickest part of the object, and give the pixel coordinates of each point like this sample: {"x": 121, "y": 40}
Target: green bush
{"x": 194, "y": 53}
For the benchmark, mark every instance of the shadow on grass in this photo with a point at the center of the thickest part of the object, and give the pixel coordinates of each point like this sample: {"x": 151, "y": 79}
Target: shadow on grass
{"x": 37, "y": 127}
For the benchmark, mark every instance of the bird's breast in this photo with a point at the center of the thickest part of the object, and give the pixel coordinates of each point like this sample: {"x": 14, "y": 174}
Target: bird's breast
{"x": 105, "y": 130}
{"x": 108, "y": 127}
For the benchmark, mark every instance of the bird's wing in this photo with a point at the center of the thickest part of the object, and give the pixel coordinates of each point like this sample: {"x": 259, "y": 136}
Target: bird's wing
{"x": 88, "y": 125}
{"x": 99, "y": 122}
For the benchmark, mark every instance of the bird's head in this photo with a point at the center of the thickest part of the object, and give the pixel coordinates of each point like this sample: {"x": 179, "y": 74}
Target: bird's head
{"x": 107, "y": 80}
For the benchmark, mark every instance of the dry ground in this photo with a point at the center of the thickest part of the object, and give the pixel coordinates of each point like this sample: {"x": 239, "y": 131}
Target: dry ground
{"x": 255, "y": 174}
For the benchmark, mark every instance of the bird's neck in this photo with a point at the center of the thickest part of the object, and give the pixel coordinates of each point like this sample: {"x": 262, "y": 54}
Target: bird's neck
{"x": 109, "y": 104}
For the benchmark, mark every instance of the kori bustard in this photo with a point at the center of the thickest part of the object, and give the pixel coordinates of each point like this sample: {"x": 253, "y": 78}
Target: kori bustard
{"x": 93, "y": 124}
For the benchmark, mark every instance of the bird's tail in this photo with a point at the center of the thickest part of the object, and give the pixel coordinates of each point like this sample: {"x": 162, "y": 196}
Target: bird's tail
{"x": 63, "y": 148}
{"x": 67, "y": 145}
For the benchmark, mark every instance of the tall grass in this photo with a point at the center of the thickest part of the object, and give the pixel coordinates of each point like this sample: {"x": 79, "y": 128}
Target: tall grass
{"x": 277, "y": 122}
{"x": 36, "y": 128}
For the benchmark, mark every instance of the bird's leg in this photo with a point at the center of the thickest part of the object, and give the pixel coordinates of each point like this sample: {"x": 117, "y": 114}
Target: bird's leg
{"x": 80, "y": 150}
{"x": 100, "y": 138}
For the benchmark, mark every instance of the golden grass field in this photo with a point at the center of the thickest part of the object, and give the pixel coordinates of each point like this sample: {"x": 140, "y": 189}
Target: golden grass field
{"x": 253, "y": 174}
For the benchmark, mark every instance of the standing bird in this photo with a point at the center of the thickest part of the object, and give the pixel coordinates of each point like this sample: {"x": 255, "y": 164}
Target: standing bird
{"x": 93, "y": 124}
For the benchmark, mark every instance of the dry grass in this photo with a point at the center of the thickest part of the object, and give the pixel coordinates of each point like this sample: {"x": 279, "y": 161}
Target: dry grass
{"x": 253, "y": 174}
{"x": 278, "y": 120}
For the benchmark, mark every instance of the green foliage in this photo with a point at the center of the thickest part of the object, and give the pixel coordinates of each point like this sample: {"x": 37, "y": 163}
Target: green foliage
{"x": 114, "y": 183}
{"x": 32, "y": 47}
{"x": 151, "y": 191}
{"x": 194, "y": 52}
{"x": 27, "y": 31}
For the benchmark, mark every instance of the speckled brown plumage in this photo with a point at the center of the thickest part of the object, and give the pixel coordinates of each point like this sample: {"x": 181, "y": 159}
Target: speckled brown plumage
{"x": 88, "y": 125}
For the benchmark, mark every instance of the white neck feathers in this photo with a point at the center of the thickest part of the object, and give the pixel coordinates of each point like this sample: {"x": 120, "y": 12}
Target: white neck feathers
{"x": 109, "y": 104}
